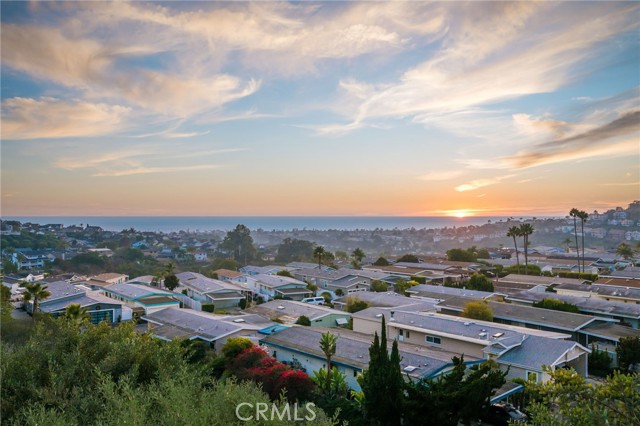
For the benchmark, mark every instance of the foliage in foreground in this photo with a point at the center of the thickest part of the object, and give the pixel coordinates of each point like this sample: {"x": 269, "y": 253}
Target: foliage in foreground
{"x": 70, "y": 375}
{"x": 568, "y": 400}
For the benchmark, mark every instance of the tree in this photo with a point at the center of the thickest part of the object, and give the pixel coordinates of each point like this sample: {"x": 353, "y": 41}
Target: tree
{"x": 239, "y": 243}
{"x": 35, "y": 292}
{"x": 582, "y": 215}
{"x": 378, "y": 286}
{"x": 599, "y": 362}
{"x": 526, "y": 229}
{"x": 381, "y": 261}
{"x": 319, "y": 252}
{"x": 284, "y": 273}
{"x": 461, "y": 255}
{"x": 625, "y": 251}
{"x": 567, "y": 399}
{"x": 401, "y": 287}
{"x": 171, "y": 282}
{"x": 234, "y": 346}
{"x": 478, "y": 309}
{"x": 556, "y": 305}
{"x": 628, "y": 351}
{"x": 382, "y": 383}
{"x": 354, "y": 304}
{"x": 479, "y": 282}
{"x": 328, "y": 343}
{"x": 456, "y": 397}
{"x": 567, "y": 243}
{"x": 409, "y": 258}
{"x": 574, "y": 214}
{"x": 514, "y": 232}
{"x": 303, "y": 320}
{"x": 292, "y": 249}
{"x": 358, "y": 255}
{"x": 5, "y": 303}
{"x": 76, "y": 314}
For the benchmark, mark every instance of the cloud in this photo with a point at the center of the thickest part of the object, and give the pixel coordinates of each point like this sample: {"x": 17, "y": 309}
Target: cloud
{"x": 481, "y": 183}
{"x": 488, "y": 56}
{"x": 25, "y": 118}
{"x": 614, "y": 138}
{"x": 620, "y": 184}
{"x": 147, "y": 170}
{"x": 441, "y": 175}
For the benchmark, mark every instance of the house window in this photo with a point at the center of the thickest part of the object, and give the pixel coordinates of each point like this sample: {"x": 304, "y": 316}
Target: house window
{"x": 433, "y": 339}
{"x": 408, "y": 334}
{"x": 355, "y": 373}
{"x": 532, "y": 376}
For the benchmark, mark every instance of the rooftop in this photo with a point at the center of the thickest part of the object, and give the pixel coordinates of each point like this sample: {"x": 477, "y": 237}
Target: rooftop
{"x": 289, "y": 310}
{"x": 275, "y": 281}
{"x": 529, "y": 315}
{"x": 202, "y": 284}
{"x": 136, "y": 291}
{"x": 352, "y": 349}
{"x": 585, "y": 304}
{"x": 535, "y": 351}
{"x": 438, "y": 292}
{"x": 534, "y": 279}
{"x": 187, "y": 323}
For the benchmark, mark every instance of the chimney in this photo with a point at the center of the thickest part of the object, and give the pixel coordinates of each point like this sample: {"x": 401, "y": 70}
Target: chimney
{"x": 391, "y": 318}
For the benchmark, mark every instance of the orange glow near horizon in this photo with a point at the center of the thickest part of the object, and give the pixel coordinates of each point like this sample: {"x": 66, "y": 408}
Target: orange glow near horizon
{"x": 460, "y": 213}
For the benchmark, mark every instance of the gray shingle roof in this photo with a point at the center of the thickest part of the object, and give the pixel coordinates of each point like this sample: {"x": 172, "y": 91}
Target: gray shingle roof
{"x": 275, "y": 281}
{"x": 352, "y": 349}
{"x": 62, "y": 289}
{"x": 203, "y": 285}
{"x": 136, "y": 291}
{"x": 527, "y": 314}
{"x": 605, "y": 290}
{"x": 437, "y": 291}
{"x": 292, "y": 310}
{"x": 189, "y": 323}
{"x": 585, "y": 304}
{"x": 534, "y": 352}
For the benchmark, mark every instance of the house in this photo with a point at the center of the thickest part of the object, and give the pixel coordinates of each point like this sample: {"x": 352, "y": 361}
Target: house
{"x": 64, "y": 294}
{"x": 300, "y": 346}
{"x": 209, "y": 291}
{"x": 228, "y": 275}
{"x": 140, "y": 298}
{"x": 170, "y": 323}
{"x": 110, "y": 278}
{"x": 289, "y": 311}
{"x": 101, "y": 251}
{"x": 201, "y": 256}
{"x": 631, "y": 272}
{"x": 262, "y": 270}
{"x": 385, "y": 300}
{"x": 270, "y": 286}
{"x": 606, "y": 292}
{"x": 29, "y": 259}
{"x": 443, "y": 293}
{"x": 339, "y": 282}
{"x": 626, "y": 313}
{"x": 516, "y": 282}
{"x": 308, "y": 265}
{"x": 504, "y": 344}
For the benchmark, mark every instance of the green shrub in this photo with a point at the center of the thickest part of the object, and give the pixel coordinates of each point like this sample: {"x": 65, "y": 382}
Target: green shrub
{"x": 208, "y": 307}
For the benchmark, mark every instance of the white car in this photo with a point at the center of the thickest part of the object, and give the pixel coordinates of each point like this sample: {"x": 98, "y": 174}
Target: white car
{"x": 314, "y": 300}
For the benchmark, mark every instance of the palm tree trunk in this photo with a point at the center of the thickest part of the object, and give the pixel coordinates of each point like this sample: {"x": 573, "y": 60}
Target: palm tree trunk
{"x": 515, "y": 243}
{"x": 575, "y": 232}
{"x": 526, "y": 255}
{"x": 582, "y": 226}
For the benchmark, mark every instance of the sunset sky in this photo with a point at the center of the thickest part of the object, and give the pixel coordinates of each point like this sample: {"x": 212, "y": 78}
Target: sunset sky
{"x": 329, "y": 108}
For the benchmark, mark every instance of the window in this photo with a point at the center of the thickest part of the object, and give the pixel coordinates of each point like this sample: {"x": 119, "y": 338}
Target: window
{"x": 433, "y": 339}
{"x": 532, "y": 376}
{"x": 408, "y": 334}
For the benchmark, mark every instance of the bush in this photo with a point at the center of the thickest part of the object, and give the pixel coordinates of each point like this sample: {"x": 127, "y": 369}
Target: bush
{"x": 556, "y": 305}
{"x": 381, "y": 262}
{"x": 327, "y": 297}
{"x": 478, "y": 309}
{"x": 208, "y": 307}
{"x": 243, "y": 303}
{"x": 599, "y": 362}
{"x": 354, "y": 304}
{"x": 579, "y": 275}
{"x": 378, "y": 286}
{"x": 409, "y": 258}
{"x": 419, "y": 279}
{"x": 304, "y": 320}
{"x": 339, "y": 292}
{"x": 234, "y": 346}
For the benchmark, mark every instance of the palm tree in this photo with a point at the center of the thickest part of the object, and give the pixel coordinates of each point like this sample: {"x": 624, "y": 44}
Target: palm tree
{"x": 328, "y": 346}
{"x": 624, "y": 250}
{"x": 358, "y": 254}
{"x": 319, "y": 252}
{"x": 35, "y": 293}
{"x": 582, "y": 215}
{"x": 514, "y": 232}
{"x": 526, "y": 229}
{"x": 567, "y": 244}
{"x": 76, "y": 313}
{"x": 574, "y": 214}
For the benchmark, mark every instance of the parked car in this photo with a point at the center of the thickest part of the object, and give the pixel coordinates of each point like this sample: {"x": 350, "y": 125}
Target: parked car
{"x": 314, "y": 300}
{"x": 501, "y": 414}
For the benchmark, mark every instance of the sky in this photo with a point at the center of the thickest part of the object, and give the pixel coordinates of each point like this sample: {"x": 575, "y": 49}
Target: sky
{"x": 319, "y": 108}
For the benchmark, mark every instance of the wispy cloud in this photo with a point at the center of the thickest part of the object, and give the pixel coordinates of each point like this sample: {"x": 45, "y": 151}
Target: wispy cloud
{"x": 25, "y": 118}
{"x": 147, "y": 170}
{"x": 614, "y": 138}
{"x": 620, "y": 184}
{"x": 481, "y": 183}
{"x": 441, "y": 175}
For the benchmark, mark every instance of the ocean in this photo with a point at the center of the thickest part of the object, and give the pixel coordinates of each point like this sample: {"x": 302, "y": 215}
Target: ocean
{"x": 267, "y": 223}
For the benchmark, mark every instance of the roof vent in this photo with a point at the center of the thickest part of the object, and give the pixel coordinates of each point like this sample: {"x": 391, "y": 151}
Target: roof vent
{"x": 378, "y": 315}
{"x": 500, "y": 334}
{"x": 410, "y": 368}
{"x": 281, "y": 307}
{"x": 482, "y": 334}
{"x": 467, "y": 323}
{"x": 238, "y": 320}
